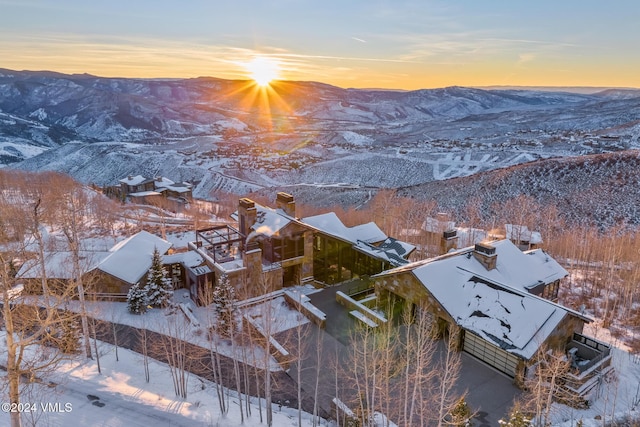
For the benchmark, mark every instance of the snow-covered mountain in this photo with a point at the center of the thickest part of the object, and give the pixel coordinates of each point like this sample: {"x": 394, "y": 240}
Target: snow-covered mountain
{"x": 229, "y": 135}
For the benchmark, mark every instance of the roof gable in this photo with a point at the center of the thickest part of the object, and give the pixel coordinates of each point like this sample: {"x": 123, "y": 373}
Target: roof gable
{"x": 515, "y": 321}
{"x": 59, "y": 265}
{"x": 495, "y": 303}
{"x": 269, "y": 221}
{"x": 135, "y": 180}
{"x": 131, "y": 259}
{"x": 329, "y": 223}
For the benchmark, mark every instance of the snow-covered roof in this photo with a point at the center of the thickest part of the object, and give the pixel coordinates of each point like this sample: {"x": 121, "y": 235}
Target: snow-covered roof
{"x": 522, "y": 233}
{"x": 365, "y": 237}
{"x": 161, "y": 183}
{"x": 435, "y": 225}
{"x": 135, "y": 180}
{"x": 515, "y": 321}
{"x": 391, "y": 250}
{"x": 468, "y": 236}
{"x": 515, "y": 268}
{"x": 58, "y": 265}
{"x": 177, "y": 188}
{"x": 495, "y": 303}
{"x": 329, "y": 223}
{"x": 144, "y": 194}
{"x": 188, "y": 259}
{"x": 131, "y": 259}
{"x": 269, "y": 221}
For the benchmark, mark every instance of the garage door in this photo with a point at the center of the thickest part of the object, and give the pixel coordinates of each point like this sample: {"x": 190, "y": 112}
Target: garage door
{"x": 490, "y": 354}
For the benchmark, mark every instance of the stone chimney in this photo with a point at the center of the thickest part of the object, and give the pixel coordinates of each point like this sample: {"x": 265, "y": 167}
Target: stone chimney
{"x": 448, "y": 241}
{"x": 486, "y": 254}
{"x": 286, "y": 202}
{"x": 252, "y": 260}
{"x": 247, "y": 215}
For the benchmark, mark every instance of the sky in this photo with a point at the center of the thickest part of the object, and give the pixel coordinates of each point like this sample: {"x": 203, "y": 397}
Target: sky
{"x": 395, "y": 44}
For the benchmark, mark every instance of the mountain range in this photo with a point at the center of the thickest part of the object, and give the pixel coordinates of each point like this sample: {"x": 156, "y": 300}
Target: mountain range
{"x": 324, "y": 143}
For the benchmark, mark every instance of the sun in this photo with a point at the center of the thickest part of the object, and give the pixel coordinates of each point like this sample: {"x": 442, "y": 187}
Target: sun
{"x": 262, "y": 70}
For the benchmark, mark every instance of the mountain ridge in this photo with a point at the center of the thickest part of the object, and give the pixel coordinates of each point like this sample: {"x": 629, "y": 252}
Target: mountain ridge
{"x": 229, "y": 136}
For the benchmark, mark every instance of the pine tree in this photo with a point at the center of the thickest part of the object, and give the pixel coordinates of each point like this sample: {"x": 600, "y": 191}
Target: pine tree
{"x": 461, "y": 414}
{"x": 137, "y": 300}
{"x": 516, "y": 418}
{"x": 159, "y": 289}
{"x": 224, "y": 298}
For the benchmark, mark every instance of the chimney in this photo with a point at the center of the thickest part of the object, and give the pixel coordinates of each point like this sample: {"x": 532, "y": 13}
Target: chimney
{"x": 486, "y": 254}
{"x": 130, "y": 177}
{"x": 252, "y": 260}
{"x": 449, "y": 241}
{"x": 247, "y": 214}
{"x": 286, "y": 202}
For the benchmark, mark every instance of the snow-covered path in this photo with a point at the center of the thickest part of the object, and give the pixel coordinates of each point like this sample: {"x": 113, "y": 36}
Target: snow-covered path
{"x": 120, "y": 396}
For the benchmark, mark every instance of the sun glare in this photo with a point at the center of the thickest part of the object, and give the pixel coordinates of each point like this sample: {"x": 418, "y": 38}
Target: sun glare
{"x": 263, "y": 70}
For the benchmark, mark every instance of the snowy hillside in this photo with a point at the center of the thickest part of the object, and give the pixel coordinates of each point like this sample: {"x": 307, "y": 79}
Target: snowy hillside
{"x": 229, "y": 136}
{"x": 601, "y": 189}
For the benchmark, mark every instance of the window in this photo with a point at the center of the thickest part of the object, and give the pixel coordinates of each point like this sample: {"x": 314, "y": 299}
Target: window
{"x": 293, "y": 247}
{"x": 550, "y": 291}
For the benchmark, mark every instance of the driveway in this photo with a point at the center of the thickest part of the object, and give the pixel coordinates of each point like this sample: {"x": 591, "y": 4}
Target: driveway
{"x": 489, "y": 392}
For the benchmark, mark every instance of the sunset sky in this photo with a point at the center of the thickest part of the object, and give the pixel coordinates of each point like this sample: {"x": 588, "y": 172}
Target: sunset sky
{"x": 349, "y": 43}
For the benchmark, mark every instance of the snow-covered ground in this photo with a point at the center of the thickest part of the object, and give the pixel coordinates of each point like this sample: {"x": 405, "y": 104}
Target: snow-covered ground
{"x": 617, "y": 398}
{"x": 120, "y": 396}
{"x": 156, "y": 320}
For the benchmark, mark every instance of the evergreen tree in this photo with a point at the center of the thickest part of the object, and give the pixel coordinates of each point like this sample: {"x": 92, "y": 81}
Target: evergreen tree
{"x": 516, "y": 418}
{"x": 461, "y": 414}
{"x": 224, "y": 298}
{"x": 137, "y": 300}
{"x": 159, "y": 289}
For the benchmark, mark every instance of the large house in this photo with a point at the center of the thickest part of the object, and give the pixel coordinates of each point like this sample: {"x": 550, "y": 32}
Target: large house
{"x": 155, "y": 191}
{"x": 500, "y": 297}
{"x": 272, "y": 248}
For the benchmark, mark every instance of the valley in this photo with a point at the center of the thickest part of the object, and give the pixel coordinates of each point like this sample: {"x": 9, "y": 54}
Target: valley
{"x": 327, "y": 144}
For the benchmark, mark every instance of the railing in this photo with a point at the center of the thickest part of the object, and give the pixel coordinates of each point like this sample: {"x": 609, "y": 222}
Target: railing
{"x": 104, "y": 296}
{"x": 589, "y": 349}
{"x": 361, "y": 286}
{"x": 590, "y": 342}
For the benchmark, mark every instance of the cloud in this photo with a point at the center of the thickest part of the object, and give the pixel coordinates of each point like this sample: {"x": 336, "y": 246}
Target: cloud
{"x": 359, "y": 40}
{"x": 470, "y": 46}
{"x": 526, "y": 57}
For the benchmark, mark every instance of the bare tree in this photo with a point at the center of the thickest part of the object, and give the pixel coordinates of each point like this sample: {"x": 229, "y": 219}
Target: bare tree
{"x": 29, "y": 321}
{"x": 74, "y": 219}
{"x": 447, "y": 373}
{"x": 143, "y": 339}
{"x": 544, "y": 385}
{"x": 319, "y": 363}
{"x": 28, "y": 327}
{"x": 173, "y": 344}
{"x": 226, "y": 325}
{"x": 207, "y": 299}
